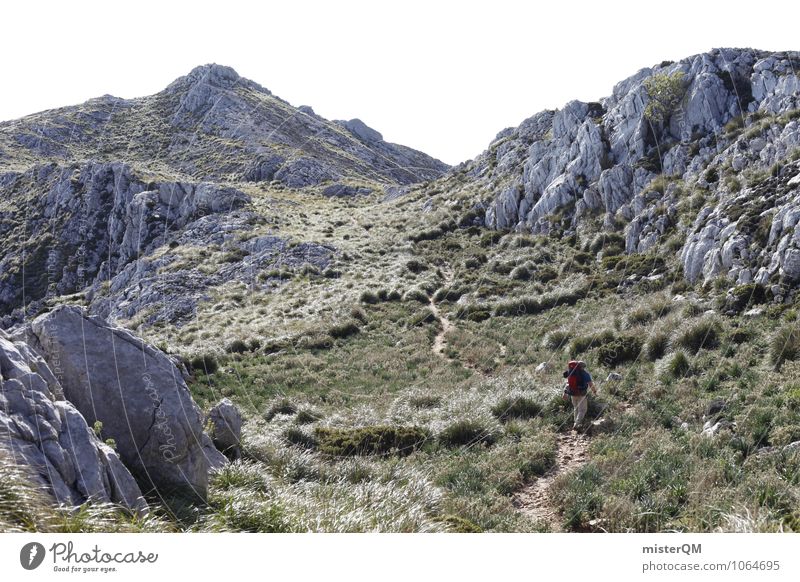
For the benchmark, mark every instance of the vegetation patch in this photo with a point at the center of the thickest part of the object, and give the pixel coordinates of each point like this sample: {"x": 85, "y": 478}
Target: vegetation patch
{"x": 370, "y": 440}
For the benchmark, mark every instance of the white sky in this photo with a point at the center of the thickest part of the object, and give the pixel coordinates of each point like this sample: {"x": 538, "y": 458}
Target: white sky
{"x": 442, "y": 77}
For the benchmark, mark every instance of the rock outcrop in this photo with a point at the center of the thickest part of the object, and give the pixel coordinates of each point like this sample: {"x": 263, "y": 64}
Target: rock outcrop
{"x": 41, "y": 430}
{"x": 733, "y": 135}
{"x": 138, "y": 394}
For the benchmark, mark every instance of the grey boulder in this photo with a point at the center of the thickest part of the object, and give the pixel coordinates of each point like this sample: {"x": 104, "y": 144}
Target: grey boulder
{"x": 136, "y": 391}
{"x": 226, "y": 428}
{"x": 51, "y": 438}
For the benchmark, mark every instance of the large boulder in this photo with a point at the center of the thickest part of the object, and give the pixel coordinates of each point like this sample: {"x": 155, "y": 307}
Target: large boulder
{"x": 138, "y": 394}
{"x": 50, "y": 436}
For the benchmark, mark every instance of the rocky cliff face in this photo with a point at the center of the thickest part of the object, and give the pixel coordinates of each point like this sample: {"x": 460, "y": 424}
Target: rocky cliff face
{"x": 731, "y": 139}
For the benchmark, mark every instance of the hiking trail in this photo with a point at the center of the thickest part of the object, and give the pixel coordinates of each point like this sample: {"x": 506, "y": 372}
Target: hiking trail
{"x": 534, "y": 499}
{"x": 439, "y": 342}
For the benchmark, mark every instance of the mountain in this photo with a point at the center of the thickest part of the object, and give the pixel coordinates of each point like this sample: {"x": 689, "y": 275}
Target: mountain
{"x": 213, "y": 124}
{"x": 378, "y": 351}
{"x": 90, "y": 190}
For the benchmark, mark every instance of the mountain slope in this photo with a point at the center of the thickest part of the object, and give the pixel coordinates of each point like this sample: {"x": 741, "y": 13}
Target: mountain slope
{"x": 213, "y": 124}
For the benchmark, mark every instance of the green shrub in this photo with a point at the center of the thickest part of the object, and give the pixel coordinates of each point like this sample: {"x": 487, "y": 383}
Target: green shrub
{"x": 448, "y": 294}
{"x": 466, "y": 432}
{"x": 491, "y": 238}
{"x": 370, "y": 440}
{"x": 305, "y": 416}
{"x": 743, "y": 295}
{"x": 556, "y": 339}
{"x": 344, "y": 329}
{"x": 785, "y": 346}
{"x": 206, "y": 363}
{"x": 237, "y": 347}
{"x": 282, "y": 406}
{"x": 656, "y": 346}
{"x": 314, "y": 340}
{"x": 678, "y": 365}
{"x": 545, "y": 274}
{"x": 421, "y": 317}
{"x": 521, "y": 273}
{"x": 425, "y": 401}
{"x": 704, "y": 334}
{"x": 369, "y": 297}
{"x": 578, "y": 496}
{"x": 416, "y": 266}
{"x": 619, "y": 351}
{"x": 584, "y": 343}
{"x": 456, "y": 524}
{"x": 299, "y": 437}
{"x": 741, "y": 335}
{"x": 640, "y": 316}
{"x": 516, "y": 407}
{"x": 416, "y": 294}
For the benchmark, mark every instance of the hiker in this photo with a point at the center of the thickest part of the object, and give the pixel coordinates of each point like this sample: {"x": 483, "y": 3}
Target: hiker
{"x": 578, "y": 383}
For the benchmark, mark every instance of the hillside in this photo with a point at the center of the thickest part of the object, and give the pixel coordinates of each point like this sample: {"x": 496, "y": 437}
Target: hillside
{"x": 395, "y": 345}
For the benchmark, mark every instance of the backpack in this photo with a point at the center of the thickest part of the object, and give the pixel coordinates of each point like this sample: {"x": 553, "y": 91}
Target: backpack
{"x": 575, "y": 384}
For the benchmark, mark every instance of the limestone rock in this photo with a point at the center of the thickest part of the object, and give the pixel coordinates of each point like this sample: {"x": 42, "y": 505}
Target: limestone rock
{"x": 40, "y": 429}
{"x": 140, "y": 397}
{"x": 226, "y": 423}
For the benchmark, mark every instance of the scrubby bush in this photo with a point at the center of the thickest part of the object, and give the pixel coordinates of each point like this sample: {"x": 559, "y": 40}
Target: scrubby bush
{"x": 742, "y": 296}
{"x": 578, "y": 496}
{"x": 237, "y": 347}
{"x": 416, "y": 294}
{"x": 206, "y": 363}
{"x": 466, "y": 432}
{"x": 344, "y": 329}
{"x": 306, "y": 416}
{"x": 640, "y": 316}
{"x": 299, "y": 437}
{"x": 281, "y": 406}
{"x": 545, "y": 274}
{"x": 314, "y": 340}
{"x": 584, "y": 343}
{"x": 785, "y": 346}
{"x": 679, "y": 365}
{"x": 425, "y": 401}
{"x": 370, "y": 440}
{"x": 449, "y": 294}
{"x": 556, "y": 339}
{"x": 741, "y": 335}
{"x": 369, "y": 297}
{"x": 620, "y": 350}
{"x": 416, "y": 266}
{"x": 656, "y": 346}
{"x": 521, "y": 273}
{"x": 513, "y": 407}
{"x": 704, "y": 334}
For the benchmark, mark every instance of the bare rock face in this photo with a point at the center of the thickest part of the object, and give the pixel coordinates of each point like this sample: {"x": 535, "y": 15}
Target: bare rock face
{"x": 737, "y": 115}
{"x": 136, "y": 391}
{"x": 49, "y": 435}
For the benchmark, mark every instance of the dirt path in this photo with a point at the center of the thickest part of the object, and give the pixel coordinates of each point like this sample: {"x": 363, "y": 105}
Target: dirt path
{"x": 534, "y": 500}
{"x": 439, "y": 342}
